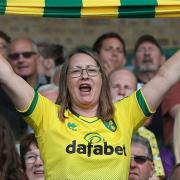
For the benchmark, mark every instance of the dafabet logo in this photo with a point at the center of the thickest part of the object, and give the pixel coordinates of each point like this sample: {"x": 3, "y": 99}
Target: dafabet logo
{"x": 89, "y": 149}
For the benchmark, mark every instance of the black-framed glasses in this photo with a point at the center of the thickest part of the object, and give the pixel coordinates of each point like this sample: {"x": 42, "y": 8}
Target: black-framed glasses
{"x": 78, "y": 71}
{"x": 31, "y": 158}
{"x": 140, "y": 159}
{"x": 16, "y": 56}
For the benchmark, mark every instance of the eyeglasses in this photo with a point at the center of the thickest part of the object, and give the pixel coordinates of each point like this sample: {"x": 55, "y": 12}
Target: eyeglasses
{"x": 140, "y": 159}
{"x": 16, "y": 56}
{"x": 31, "y": 158}
{"x": 78, "y": 71}
{"x": 3, "y": 46}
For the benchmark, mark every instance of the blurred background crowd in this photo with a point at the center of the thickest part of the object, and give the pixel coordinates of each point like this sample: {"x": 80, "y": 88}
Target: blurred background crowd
{"x": 131, "y": 51}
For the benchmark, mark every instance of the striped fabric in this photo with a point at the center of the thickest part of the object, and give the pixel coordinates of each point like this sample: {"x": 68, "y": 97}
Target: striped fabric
{"x": 92, "y": 8}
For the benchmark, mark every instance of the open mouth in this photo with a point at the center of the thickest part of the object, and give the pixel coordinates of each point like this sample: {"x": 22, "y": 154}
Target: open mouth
{"x": 147, "y": 60}
{"x": 85, "y": 88}
{"x": 39, "y": 172}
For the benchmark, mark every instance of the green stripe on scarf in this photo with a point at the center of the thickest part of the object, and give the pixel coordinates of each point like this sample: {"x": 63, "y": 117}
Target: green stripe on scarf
{"x": 139, "y": 3}
{"x": 136, "y": 12}
{"x": 3, "y": 4}
{"x": 63, "y": 8}
{"x": 137, "y": 9}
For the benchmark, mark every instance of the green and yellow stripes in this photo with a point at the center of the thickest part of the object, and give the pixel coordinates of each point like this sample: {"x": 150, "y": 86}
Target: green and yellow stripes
{"x": 92, "y": 8}
{"x": 22, "y": 7}
{"x": 32, "y": 106}
{"x": 142, "y": 103}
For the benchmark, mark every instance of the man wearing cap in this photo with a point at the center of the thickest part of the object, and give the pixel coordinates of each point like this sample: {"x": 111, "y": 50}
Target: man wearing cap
{"x": 148, "y": 58}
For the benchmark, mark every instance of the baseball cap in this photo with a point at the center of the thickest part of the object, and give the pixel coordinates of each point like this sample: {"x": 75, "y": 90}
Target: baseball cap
{"x": 147, "y": 38}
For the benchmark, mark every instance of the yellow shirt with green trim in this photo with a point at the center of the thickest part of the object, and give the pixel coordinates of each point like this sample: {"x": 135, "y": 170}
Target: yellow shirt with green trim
{"x": 159, "y": 170}
{"x": 82, "y": 148}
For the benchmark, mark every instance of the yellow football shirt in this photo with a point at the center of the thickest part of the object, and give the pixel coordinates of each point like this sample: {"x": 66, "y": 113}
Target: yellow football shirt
{"x": 82, "y": 148}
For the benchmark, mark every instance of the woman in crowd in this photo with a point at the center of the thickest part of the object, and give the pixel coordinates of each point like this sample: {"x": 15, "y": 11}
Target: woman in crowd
{"x": 30, "y": 158}
{"x": 85, "y": 136}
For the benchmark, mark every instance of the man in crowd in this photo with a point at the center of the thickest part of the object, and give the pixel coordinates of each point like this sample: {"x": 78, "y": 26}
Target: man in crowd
{"x": 6, "y": 106}
{"x": 122, "y": 84}
{"x": 147, "y": 59}
{"x": 23, "y": 57}
{"x": 111, "y": 50}
{"x": 141, "y": 165}
{"x": 51, "y": 56}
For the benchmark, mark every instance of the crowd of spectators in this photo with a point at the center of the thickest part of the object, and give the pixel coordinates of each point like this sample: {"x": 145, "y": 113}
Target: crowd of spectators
{"x": 155, "y": 145}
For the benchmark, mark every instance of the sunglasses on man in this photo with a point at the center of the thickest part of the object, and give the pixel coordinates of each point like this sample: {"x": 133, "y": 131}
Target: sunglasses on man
{"x": 16, "y": 56}
{"x": 140, "y": 159}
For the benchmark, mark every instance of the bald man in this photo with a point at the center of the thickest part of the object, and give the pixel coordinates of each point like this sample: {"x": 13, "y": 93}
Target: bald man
{"x": 122, "y": 83}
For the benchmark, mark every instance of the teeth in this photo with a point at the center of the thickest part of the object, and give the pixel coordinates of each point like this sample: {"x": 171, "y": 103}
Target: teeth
{"x": 85, "y": 87}
{"x": 39, "y": 172}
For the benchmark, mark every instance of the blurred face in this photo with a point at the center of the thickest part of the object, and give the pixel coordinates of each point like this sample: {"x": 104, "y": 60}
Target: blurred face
{"x": 122, "y": 84}
{"x": 3, "y": 47}
{"x": 56, "y": 76}
{"x": 50, "y": 94}
{"x": 33, "y": 163}
{"x": 148, "y": 57}
{"x": 139, "y": 170}
{"x": 84, "y": 81}
{"x": 46, "y": 65}
{"x": 112, "y": 54}
{"x": 22, "y": 58}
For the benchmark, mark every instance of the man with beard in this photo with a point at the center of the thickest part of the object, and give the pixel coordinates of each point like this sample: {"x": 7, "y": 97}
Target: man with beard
{"x": 147, "y": 59}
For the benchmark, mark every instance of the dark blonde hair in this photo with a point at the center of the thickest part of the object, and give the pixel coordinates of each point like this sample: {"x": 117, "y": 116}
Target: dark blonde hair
{"x": 105, "y": 110}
